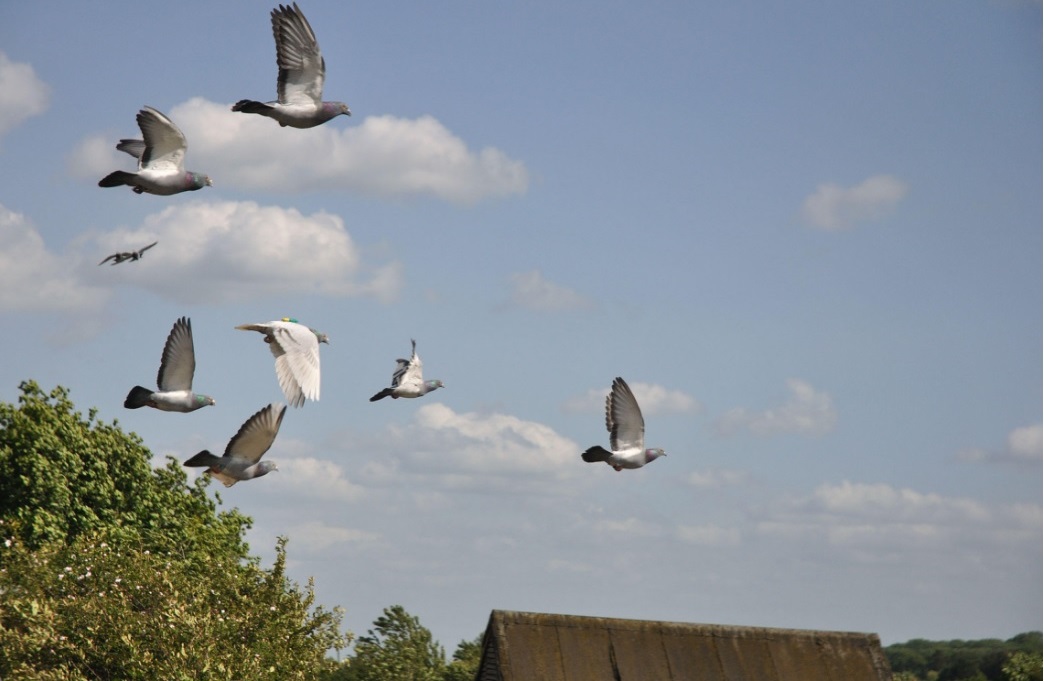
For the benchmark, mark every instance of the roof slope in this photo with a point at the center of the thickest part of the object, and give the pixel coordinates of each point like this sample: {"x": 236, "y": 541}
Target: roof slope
{"x": 521, "y": 646}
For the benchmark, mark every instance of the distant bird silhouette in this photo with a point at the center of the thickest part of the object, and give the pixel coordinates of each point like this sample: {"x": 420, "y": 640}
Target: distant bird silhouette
{"x": 296, "y": 350}
{"x": 626, "y": 427}
{"x": 161, "y": 157}
{"x": 117, "y": 258}
{"x": 174, "y": 378}
{"x": 408, "y": 379}
{"x": 302, "y": 70}
{"x": 242, "y": 458}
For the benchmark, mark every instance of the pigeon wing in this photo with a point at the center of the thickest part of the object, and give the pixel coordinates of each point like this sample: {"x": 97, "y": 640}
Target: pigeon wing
{"x": 256, "y": 435}
{"x": 410, "y": 373}
{"x": 142, "y": 250}
{"x": 164, "y": 143}
{"x": 301, "y": 65}
{"x": 624, "y": 419}
{"x": 179, "y": 358}
{"x": 297, "y": 361}
{"x": 135, "y": 148}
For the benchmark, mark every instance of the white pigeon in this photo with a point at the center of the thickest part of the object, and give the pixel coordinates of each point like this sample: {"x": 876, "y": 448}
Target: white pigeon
{"x": 623, "y": 420}
{"x": 296, "y": 350}
{"x": 408, "y": 379}
{"x": 302, "y": 71}
{"x": 161, "y": 157}
{"x": 174, "y": 378}
{"x": 242, "y": 458}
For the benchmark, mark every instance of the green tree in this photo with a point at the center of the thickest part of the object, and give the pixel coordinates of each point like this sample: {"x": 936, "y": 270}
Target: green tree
{"x": 112, "y": 570}
{"x": 1023, "y": 666}
{"x": 398, "y": 648}
{"x": 62, "y": 476}
{"x": 466, "y": 660}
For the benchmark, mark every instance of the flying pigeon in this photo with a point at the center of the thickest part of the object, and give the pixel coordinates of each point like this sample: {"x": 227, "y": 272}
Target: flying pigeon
{"x": 296, "y": 350}
{"x": 174, "y": 378}
{"x": 408, "y": 379}
{"x": 160, "y": 157}
{"x": 302, "y": 70}
{"x": 623, "y": 420}
{"x": 242, "y": 458}
{"x": 117, "y": 258}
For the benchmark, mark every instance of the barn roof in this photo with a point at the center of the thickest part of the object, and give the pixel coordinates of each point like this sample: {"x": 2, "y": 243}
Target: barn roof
{"x": 523, "y": 646}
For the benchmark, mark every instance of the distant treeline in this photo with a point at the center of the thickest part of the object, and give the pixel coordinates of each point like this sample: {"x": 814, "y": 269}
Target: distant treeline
{"x": 986, "y": 660}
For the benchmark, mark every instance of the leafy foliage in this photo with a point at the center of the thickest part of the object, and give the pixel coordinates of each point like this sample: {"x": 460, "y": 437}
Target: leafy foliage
{"x": 112, "y": 570}
{"x": 399, "y": 648}
{"x": 62, "y": 476}
{"x": 1018, "y": 658}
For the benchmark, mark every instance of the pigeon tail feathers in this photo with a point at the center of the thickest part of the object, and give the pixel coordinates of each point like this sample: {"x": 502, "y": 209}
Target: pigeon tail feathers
{"x": 117, "y": 178}
{"x": 203, "y": 459}
{"x": 387, "y": 392}
{"x": 137, "y": 397}
{"x": 251, "y": 106}
{"x": 595, "y": 454}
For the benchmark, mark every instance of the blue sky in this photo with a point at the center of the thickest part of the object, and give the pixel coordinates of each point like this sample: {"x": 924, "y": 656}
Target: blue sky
{"x": 808, "y": 234}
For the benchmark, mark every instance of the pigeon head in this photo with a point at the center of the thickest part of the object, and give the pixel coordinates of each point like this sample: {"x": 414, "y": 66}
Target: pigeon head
{"x": 322, "y": 337}
{"x": 433, "y": 384}
{"x": 198, "y": 181}
{"x": 266, "y": 467}
{"x": 653, "y": 454}
{"x": 205, "y": 400}
{"x": 336, "y": 109}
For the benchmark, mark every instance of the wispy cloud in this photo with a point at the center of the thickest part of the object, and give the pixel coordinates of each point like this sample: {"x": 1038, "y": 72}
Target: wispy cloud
{"x": 1024, "y": 445}
{"x": 22, "y": 94}
{"x": 833, "y": 207}
{"x": 530, "y": 290}
{"x": 806, "y": 410}
{"x": 33, "y": 278}
{"x": 455, "y": 451}
{"x": 880, "y": 519}
{"x": 381, "y": 156}
{"x": 214, "y": 252}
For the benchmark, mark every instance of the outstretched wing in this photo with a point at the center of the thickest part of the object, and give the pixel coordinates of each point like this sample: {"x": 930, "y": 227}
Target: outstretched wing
{"x": 301, "y": 65}
{"x": 410, "y": 372}
{"x": 256, "y": 435}
{"x": 624, "y": 419}
{"x": 179, "y": 358}
{"x": 164, "y": 143}
{"x": 297, "y": 361}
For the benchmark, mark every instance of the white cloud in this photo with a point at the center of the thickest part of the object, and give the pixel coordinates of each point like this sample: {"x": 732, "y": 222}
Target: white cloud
{"x": 213, "y": 252}
{"x": 456, "y": 451}
{"x": 381, "y": 156}
{"x": 652, "y": 398}
{"x": 316, "y": 535}
{"x": 34, "y": 279}
{"x": 833, "y": 207}
{"x": 530, "y": 290}
{"x": 715, "y": 479}
{"x": 22, "y": 94}
{"x": 880, "y": 520}
{"x": 1023, "y": 445}
{"x": 807, "y": 411}
{"x": 708, "y": 535}
{"x": 319, "y": 479}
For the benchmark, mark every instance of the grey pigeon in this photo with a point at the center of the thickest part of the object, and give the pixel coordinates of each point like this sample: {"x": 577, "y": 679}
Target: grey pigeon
{"x": 161, "y": 157}
{"x": 302, "y": 71}
{"x": 408, "y": 379}
{"x": 623, "y": 420}
{"x": 117, "y": 258}
{"x": 242, "y": 458}
{"x": 296, "y": 350}
{"x": 174, "y": 378}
